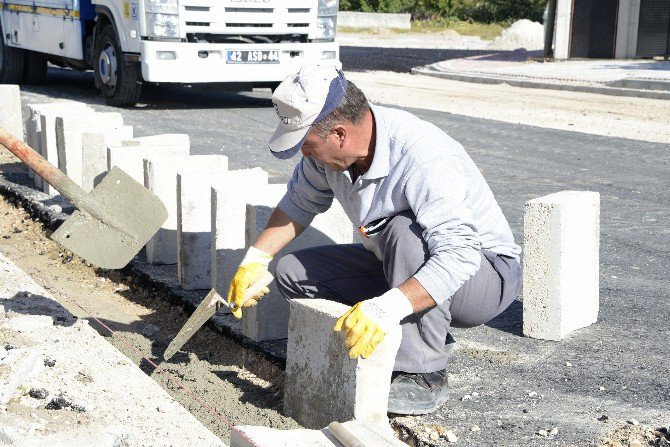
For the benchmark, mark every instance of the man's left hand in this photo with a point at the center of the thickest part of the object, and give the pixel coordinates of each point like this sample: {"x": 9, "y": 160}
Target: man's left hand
{"x": 367, "y": 322}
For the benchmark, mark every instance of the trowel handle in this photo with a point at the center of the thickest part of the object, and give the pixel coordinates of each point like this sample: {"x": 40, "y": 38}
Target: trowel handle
{"x": 256, "y": 287}
{"x": 43, "y": 168}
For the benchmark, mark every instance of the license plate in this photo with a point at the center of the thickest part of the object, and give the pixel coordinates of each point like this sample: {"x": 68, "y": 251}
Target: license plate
{"x": 252, "y": 56}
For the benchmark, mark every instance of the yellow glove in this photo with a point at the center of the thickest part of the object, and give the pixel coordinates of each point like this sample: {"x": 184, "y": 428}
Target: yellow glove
{"x": 367, "y": 322}
{"x": 252, "y": 268}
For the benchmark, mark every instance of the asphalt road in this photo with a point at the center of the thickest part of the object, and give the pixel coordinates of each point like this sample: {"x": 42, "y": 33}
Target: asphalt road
{"x": 616, "y": 367}
{"x": 400, "y": 60}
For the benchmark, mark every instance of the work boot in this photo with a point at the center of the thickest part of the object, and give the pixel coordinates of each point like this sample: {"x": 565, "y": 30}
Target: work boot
{"x": 419, "y": 393}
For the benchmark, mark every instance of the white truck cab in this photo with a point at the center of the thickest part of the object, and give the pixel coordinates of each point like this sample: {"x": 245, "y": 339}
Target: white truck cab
{"x": 128, "y": 42}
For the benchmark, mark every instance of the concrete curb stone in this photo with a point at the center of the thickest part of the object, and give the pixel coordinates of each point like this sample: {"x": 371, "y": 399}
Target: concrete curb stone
{"x": 638, "y": 92}
{"x": 162, "y": 278}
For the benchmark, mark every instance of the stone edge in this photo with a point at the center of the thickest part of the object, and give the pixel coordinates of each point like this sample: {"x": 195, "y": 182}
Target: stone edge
{"x": 484, "y": 79}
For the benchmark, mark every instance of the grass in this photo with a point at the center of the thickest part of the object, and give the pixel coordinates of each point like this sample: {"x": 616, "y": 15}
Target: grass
{"x": 486, "y": 31}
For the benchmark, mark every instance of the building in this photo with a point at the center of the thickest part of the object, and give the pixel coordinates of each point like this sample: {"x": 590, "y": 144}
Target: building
{"x": 622, "y": 29}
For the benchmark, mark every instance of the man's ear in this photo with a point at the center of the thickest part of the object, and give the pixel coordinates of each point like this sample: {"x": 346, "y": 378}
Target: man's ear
{"x": 341, "y": 134}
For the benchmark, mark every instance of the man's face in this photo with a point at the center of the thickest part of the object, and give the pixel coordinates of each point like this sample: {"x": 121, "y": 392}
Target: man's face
{"x": 330, "y": 150}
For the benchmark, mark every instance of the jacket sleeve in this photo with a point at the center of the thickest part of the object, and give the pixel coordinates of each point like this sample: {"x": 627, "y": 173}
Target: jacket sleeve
{"x": 308, "y": 193}
{"x": 438, "y": 194}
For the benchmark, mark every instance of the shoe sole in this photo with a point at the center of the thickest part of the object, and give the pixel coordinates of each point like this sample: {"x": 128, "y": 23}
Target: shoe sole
{"x": 415, "y": 410}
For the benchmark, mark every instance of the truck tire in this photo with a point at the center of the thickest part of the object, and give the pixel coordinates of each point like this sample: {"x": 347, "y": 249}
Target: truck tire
{"x": 120, "y": 81}
{"x": 12, "y": 62}
{"x": 35, "y": 70}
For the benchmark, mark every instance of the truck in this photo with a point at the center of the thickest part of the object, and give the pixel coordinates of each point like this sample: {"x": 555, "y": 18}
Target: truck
{"x": 130, "y": 42}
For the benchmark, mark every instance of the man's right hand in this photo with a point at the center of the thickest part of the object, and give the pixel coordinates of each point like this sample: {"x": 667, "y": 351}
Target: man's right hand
{"x": 252, "y": 268}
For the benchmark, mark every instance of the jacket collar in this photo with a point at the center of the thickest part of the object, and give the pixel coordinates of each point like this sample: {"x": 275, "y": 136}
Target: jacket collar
{"x": 381, "y": 160}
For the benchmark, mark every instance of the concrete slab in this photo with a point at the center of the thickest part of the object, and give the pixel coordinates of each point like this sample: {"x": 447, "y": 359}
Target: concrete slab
{"x": 229, "y": 209}
{"x": 122, "y": 405}
{"x": 269, "y": 319}
{"x": 194, "y": 222}
{"x": 69, "y": 129}
{"x": 160, "y": 177}
{"x": 166, "y": 139}
{"x": 48, "y": 143}
{"x": 561, "y": 264}
{"x": 357, "y": 19}
{"x": 33, "y": 113}
{"x": 322, "y": 383}
{"x": 94, "y": 153}
{"x": 371, "y": 435}
{"x": 130, "y": 159}
{"x": 10, "y": 110}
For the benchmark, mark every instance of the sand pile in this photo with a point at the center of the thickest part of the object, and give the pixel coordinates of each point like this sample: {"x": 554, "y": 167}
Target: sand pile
{"x": 521, "y": 34}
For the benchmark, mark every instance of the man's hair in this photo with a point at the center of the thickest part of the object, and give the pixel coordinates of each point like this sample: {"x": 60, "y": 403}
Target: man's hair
{"x": 352, "y": 108}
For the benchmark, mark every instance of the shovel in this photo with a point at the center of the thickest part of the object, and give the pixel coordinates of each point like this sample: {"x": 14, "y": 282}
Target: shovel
{"x": 112, "y": 222}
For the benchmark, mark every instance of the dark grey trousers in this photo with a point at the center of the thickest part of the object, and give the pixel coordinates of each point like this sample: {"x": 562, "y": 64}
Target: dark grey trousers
{"x": 349, "y": 273}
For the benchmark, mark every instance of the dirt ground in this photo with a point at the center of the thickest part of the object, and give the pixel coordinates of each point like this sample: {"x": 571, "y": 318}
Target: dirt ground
{"x": 245, "y": 389}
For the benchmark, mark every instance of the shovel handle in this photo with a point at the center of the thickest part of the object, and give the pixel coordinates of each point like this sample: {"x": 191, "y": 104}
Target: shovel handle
{"x": 51, "y": 174}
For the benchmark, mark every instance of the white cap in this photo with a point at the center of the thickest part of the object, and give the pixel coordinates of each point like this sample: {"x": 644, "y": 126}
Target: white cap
{"x": 301, "y": 100}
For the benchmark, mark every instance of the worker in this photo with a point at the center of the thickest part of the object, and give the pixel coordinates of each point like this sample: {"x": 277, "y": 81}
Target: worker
{"x": 436, "y": 250}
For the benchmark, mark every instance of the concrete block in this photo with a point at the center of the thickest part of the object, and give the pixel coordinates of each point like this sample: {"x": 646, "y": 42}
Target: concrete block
{"x": 229, "y": 211}
{"x": 269, "y": 319}
{"x": 94, "y": 153}
{"x": 371, "y": 435}
{"x": 69, "y": 141}
{"x": 254, "y": 436}
{"x": 167, "y": 139}
{"x": 322, "y": 383}
{"x": 194, "y": 222}
{"x": 18, "y": 366}
{"x": 356, "y": 19}
{"x": 561, "y": 264}
{"x": 48, "y": 141}
{"x": 130, "y": 159}
{"x": 160, "y": 177}
{"x": 34, "y": 125}
{"x": 10, "y": 110}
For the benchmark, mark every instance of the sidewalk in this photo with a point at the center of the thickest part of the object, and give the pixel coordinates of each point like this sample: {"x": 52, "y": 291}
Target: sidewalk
{"x": 63, "y": 384}
{"x": 639, "y": 78}
{"x": 522, "y": 68}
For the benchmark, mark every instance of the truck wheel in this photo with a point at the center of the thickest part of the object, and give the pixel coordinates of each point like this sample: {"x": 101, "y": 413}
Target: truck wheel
{"x": 119, "y": 81}
{"x": 11, "y": 63}
{"x": 35, "y": 70}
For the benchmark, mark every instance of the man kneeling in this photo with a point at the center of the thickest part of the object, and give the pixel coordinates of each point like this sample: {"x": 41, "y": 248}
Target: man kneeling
{"x": 437, "y": 251}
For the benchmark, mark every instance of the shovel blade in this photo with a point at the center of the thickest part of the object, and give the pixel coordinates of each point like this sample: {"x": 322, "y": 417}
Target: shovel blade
{"x": 98, "y": 243}
{"x": 114, "y": 222}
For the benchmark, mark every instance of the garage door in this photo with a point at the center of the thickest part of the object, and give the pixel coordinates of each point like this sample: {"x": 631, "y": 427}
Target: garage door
{"x": 653, "y": 36}
{"x": 593, "y": 32}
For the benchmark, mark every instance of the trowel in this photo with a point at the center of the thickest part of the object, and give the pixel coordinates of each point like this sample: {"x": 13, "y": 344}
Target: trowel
{"x": 112, "y": 222}
{"x": 208, "y": 307}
